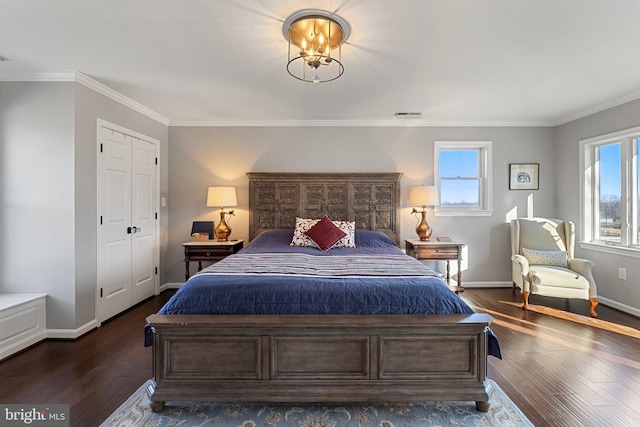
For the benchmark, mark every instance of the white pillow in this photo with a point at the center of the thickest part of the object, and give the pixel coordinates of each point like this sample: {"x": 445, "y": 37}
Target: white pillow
{"x": 304, "y": 224}
{"x": 557, "y": 258}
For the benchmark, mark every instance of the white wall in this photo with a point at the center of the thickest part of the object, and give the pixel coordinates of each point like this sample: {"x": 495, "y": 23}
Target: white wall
{"x": 48, "y": 160}
{"x": 203, "y": 156}
{"x": 623, "y": 294}
{"x": 37, "y": 251}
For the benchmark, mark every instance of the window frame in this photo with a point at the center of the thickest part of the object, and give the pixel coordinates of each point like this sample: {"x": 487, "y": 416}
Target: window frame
{"x": 484, "y": 168}
{"x": 590, "y": 192}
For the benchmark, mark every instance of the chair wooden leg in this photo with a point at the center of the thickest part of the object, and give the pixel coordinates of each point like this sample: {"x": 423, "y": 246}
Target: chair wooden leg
{"x": 525, "y": 300}
{"x": 593, "y": 303}
{"x": 514, "y": 288}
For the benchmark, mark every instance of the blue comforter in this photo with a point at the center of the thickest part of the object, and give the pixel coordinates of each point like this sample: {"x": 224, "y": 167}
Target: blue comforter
{"x": 271, "y": 277}
{"x": 251, "y": 281}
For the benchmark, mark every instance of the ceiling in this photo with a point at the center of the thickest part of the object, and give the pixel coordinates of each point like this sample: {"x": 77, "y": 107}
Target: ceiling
{"x": 458, "y": 62}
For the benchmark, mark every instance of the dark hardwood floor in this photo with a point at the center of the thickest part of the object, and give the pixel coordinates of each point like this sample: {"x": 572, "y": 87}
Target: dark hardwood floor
{"x": 560, "y": 370}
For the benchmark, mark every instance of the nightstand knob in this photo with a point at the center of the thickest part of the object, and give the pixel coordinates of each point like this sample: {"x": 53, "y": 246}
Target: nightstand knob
{"x": 208, "y": 253}
{"x": 437, "y": 251}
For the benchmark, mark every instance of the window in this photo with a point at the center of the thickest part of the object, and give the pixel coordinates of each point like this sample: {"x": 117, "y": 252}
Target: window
{"x": 463, "y": 177}
{"x": 610, "y": 189}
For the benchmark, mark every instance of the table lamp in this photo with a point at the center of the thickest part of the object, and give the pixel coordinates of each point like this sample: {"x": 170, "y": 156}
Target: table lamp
{"x": 222, "y": 197}
{"x": 423, "y": 195}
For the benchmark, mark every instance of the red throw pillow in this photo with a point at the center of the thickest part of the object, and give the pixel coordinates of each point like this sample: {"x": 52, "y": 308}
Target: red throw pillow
{"x": 325, "y": 233}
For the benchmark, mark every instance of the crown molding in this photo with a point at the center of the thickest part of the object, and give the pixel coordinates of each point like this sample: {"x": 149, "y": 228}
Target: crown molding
{"x": 349, "y": 123}
{"x": 599, "y": 108}
{"x": 59, "y": 76}
{"x": 88, "y": 82}
{"x": 118, "y": 97}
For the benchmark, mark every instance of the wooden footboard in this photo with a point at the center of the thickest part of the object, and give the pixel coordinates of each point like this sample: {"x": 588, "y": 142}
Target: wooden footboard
{"x": 319, "y": 358}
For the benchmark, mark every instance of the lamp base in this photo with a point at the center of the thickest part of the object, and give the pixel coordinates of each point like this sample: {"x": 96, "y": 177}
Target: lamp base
{"x": 423, "y": 230}
{"x": 222, "y": 231}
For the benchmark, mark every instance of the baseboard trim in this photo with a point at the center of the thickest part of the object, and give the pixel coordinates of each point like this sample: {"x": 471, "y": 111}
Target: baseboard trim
{"x": 619, "y": 306}
{"x": 485, "y": 284}
{"x": 72, "y": 334}
{"x": 170, "y": 286}
{"x": 22, "y": 345}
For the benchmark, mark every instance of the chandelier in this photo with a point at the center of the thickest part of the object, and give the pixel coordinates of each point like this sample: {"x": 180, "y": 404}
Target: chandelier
{"x": 315, "y": 45}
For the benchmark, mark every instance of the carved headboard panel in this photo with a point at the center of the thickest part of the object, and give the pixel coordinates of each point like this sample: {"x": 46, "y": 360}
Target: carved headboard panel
{"x": 372, "y": 200}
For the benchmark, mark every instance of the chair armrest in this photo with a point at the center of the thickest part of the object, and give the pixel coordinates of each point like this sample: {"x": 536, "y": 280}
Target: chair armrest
{"x": 522, "y": 261}
{"x": 581, "y": 265}
{"x": 584, "y": 267}
{"x": 521, "y": 264}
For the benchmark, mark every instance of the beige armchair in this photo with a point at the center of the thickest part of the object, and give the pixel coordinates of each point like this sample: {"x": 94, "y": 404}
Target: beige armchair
{"x": 543, "y": 262}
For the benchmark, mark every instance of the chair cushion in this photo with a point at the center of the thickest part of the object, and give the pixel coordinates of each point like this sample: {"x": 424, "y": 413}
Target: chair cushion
{"x": 557, "y": 277}
{"x": 557, "y": 258}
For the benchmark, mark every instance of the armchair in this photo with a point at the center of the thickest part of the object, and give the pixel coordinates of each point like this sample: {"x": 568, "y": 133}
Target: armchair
{"x": 542, "y": 252}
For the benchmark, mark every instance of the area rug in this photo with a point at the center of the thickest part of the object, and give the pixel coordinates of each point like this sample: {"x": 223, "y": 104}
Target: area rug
{"x": 136, "y": 412}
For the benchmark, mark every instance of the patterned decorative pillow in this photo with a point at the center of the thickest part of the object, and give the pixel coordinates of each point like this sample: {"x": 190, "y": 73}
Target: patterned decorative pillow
{"x": 304, "y": 224}
{"x": 349, "y": 228}
{"x": 558, "y": 258}
{"x": 325, "y": 233}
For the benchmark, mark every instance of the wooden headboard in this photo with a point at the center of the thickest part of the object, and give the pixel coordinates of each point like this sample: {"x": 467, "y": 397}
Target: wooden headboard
{"x": 372, "y": 200}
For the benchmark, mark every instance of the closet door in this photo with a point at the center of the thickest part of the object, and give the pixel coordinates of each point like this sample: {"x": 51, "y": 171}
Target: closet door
{"x": 143, "y": 211}
{"x": 127, "y": 227}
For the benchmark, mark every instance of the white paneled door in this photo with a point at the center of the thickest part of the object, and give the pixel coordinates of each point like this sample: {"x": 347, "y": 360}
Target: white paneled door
{"x": 127, "y": 219}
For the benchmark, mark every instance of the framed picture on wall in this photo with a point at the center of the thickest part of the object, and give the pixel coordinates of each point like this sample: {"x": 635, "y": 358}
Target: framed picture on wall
{"x": 524, "y": 176}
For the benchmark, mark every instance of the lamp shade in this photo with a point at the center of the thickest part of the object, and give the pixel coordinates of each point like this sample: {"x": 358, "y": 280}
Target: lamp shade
{"x": 222, "y": 196}
{"x": 423, "y": 195}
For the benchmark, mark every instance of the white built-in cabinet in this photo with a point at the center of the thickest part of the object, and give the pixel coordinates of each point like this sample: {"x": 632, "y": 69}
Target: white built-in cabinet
{"x": 22, "y": 322}
{"x": 127, "y": 264}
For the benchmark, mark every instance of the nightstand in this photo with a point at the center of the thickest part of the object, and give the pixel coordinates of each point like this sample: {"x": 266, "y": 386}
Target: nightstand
{"x": 438, "y": 251}
{"x": 208, "y": 251}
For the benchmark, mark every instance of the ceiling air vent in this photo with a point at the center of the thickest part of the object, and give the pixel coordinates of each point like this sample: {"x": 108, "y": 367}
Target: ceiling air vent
{"x": 404, "y": 115}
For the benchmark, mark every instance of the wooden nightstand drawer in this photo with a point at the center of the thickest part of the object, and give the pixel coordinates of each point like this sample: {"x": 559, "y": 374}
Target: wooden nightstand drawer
{"x": 196, "y": 254}
{"x": 436, "y": 253}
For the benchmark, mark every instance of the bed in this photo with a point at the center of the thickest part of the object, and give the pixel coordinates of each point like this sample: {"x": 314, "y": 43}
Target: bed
{"x": 282, "y": 323}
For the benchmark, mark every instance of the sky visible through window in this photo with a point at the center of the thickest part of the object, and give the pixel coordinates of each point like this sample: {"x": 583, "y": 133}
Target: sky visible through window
{"x": 610, "y": 170}
{"x": 459, "y": 164}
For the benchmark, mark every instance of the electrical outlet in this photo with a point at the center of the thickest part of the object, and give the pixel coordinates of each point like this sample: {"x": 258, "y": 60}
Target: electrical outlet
{"x": 622, "y": 273}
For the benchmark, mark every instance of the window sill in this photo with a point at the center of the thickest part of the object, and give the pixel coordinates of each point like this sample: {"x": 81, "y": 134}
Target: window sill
{"x": 462, "y": 213}
{"x": 611, "y": 249}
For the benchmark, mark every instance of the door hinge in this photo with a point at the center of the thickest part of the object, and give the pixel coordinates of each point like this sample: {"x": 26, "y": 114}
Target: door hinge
{"x": 156, "y": 160}
{"x": 100, "y": 219}
{"x": 101, "y": 147}
{"x": 100, "y": 292}
{"x": 156, "y": 270}
{"x": 156, "y": 215}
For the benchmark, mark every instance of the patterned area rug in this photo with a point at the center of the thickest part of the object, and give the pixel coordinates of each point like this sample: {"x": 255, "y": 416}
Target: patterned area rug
{"x": 136, "y": 412}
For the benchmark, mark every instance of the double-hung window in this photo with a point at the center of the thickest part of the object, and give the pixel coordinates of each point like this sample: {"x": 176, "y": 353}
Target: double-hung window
{"x": 463, "y": 177}
{"x": 610, "y": 189}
